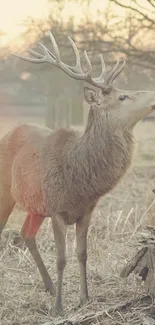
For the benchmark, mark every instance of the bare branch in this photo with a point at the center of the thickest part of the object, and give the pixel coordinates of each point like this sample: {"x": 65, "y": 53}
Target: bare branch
{"x": 133, "y": 9}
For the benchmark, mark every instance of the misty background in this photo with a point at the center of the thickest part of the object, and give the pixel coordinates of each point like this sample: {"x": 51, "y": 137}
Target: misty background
{"x": 120, "y": 30}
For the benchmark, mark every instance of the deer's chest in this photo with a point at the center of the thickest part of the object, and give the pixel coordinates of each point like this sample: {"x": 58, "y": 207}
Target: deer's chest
{"x": 97, "y": 174}
{"x": 112, "y": 169}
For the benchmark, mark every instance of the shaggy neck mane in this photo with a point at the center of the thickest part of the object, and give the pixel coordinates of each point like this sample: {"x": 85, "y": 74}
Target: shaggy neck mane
{"x": 100, "y": 157}
{"x": 102, "y": 134}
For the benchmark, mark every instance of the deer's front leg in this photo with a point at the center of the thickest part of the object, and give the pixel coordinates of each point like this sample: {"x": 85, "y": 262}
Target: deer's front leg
{"x": 59, "y": 229}
{"x": 81, "y": 238}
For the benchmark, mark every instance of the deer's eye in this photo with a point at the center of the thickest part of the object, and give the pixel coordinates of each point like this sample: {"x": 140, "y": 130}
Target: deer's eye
{"x": 122, "y": 97}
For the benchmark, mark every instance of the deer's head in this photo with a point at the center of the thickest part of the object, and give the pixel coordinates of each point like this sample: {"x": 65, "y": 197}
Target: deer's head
{"x": 123, "y": 108}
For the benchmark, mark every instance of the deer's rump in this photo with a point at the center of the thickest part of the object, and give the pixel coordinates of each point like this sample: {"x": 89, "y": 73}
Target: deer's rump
{"x": 25, "y": 146}
{"x": 37, "y": 164}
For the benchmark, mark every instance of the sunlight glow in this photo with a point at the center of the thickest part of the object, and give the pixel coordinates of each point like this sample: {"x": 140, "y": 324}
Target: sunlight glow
{"x": 14, "y": 12}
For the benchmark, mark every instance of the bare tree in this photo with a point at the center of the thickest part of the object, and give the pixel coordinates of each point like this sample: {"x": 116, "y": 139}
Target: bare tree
{"x": 137, "y": 42}
{"x": 125, "y": 37}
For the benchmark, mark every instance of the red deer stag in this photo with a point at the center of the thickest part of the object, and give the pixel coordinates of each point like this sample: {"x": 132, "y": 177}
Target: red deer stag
{"x": 63, "y": 174}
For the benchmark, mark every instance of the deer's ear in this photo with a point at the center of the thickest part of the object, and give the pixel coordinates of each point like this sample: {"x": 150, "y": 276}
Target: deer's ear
{"x": 90, "y": 95}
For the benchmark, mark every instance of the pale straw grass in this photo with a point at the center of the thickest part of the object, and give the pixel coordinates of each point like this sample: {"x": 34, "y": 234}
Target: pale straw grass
{"x": 111, "y": 243}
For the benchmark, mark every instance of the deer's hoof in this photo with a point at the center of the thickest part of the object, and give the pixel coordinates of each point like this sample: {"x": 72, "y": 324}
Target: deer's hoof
{"x": 51, "y": 289}
{"x": 81, "y": 303}
{"x": 59, "y": 309}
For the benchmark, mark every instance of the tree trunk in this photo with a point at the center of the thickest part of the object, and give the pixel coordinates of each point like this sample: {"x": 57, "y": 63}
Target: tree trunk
{"x": 64, "y": 102}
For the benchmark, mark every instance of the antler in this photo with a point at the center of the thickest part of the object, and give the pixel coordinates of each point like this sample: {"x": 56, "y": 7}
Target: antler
{"x": 104, "y": 82}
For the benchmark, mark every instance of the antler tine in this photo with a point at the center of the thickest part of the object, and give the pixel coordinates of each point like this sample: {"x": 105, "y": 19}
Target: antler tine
{"x": 39, "y": 58}
{"x": 77, "y": 67}
{"x": 33, "y": 60}
{"x": 117, "y": 72}
{"x": 48, "y": 56}
{"x": 110, "y": 74}
{"x": 35, "y": 54}
{"x": 101, "y": 78}
{"x": 89, "y": 73}
{"x": 38, "y": 55}
{"x": 55, "y": 46}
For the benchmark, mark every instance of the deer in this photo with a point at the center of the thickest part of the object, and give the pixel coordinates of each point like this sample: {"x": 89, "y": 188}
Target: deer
{"x": 62, "y": 174}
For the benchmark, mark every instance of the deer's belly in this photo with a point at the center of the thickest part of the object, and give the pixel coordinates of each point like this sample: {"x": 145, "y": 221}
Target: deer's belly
{"x": 75, "y": 212}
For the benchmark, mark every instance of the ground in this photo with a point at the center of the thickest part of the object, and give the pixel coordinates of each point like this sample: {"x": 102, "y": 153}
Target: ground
{"x": 111, "y": 243}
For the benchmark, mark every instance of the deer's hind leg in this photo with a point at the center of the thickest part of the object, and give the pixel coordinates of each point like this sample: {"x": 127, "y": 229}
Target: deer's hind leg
{"x": 59, "y": 229}
{"x": 6, "y": 207}
{"x": 28, "y": 233}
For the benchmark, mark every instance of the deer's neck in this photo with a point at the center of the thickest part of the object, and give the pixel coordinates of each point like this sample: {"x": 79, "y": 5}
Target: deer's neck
{"x": 101, "y": 155}
{"x": 107, "y": 141}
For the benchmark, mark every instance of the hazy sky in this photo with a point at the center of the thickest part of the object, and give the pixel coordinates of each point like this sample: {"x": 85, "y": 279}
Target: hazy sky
{"x": 13, "y": 13}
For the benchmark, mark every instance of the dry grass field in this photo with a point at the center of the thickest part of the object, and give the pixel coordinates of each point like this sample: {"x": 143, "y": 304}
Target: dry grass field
{"x": 111, "y": 243}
